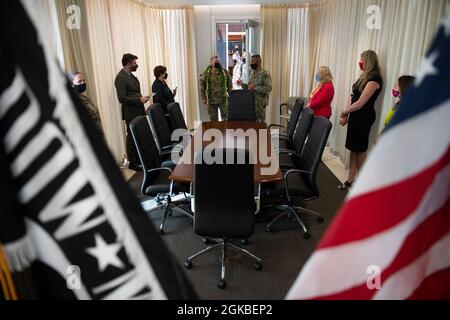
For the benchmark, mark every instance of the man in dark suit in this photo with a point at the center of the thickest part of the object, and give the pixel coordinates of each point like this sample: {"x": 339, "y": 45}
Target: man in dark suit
{"x": 129, "y": 93}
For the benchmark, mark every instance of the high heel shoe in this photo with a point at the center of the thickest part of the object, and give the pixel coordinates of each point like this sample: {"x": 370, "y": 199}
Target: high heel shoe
{"x": 347, "y": 185}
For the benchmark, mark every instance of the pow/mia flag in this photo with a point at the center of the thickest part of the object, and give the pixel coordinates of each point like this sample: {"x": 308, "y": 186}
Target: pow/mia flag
{"x": 70, "y": 226}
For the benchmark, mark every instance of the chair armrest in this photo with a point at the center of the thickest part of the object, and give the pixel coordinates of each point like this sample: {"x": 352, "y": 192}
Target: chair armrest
{"x": 170, "y": 149}
{"x": 167, "y": 147}
{"x": 288, "y": 152}
{"x": 176, "y": 146}
{"x": 286, "y": 175}
{"x": 294, "y": 171}
{"x": 160, "y": 169}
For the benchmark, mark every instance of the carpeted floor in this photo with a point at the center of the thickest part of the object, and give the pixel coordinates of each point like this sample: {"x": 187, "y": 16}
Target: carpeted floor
{"x": 283, "y": 251}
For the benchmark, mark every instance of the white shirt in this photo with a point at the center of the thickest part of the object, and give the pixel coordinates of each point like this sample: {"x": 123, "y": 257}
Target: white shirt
{"x": 240, "y": 72}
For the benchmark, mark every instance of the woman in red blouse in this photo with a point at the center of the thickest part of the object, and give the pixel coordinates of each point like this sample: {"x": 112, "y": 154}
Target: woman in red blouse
{"x": 322, "y": 96}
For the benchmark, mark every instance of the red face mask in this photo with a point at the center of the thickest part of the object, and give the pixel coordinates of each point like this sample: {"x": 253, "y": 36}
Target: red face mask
{"x": 361, "y": 65}
{"x": 395, "y": 93}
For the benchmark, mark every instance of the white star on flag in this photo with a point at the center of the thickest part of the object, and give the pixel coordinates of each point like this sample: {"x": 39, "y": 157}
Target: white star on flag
{"x": 427, "y": 68}
{"x": 106, "y": 254}
{"x": 445, "y": 23}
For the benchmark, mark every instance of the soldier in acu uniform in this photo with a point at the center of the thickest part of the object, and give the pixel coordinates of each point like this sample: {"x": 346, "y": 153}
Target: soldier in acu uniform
{"x": 261, "y": 83}
{"x": 215, "y": 84}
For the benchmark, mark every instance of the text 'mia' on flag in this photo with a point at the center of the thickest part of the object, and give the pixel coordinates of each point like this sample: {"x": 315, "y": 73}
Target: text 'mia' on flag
{"x": 70, "y": 226}
{"x": 391, "y": 238}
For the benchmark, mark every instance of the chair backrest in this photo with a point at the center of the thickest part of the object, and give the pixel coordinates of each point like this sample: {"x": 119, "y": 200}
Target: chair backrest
{"x": 224, "y": 196}
{"x": 146, "y": 148}
{"x": 242, "y": 106}
{"x": 313, "y": 151}
{"x": 302, "y": 129}
{"x": 159, "y": 126}
{"x": 293, "y": 120}
{"x": 176, "y": 116}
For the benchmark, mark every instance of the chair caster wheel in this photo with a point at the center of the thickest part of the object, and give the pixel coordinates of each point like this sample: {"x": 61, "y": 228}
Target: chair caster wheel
{"x": 244, "y": 241}
{"x": 320, "y": 219}
{"x": 222, "y": 284}
{"x": 306, "y": 235}
{"x": 206, "y": 241}
{"x": 269, "y": 228}
{"x": 161, "y": 231}
{"x": 258, "y": 266}
{"x": 188, "y": 264}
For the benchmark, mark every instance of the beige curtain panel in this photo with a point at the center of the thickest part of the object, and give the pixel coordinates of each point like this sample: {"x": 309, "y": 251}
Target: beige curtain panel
{"x": 334, "y": 33}
{"x": 162, "y": 35}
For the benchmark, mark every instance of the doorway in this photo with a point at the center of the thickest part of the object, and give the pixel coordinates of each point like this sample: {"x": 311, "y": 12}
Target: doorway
{"x": 235, "y": 40}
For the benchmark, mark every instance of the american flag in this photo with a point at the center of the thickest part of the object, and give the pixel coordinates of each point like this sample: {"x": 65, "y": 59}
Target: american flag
{"x": 391, "y": 238}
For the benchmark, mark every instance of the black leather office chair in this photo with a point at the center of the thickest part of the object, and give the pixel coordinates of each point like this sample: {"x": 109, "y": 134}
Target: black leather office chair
{"x": 301, "y": 132}
{"x": 242, "y": 106}
{"x": 156, "y": 182}
{"x": 177, "y": 119}
{"x": 176, "y": 116}
{"x": 301, "y": 181}
{"x": 224, "y": 206}
{"x": 286, "y": 139}
{"x": 161, "y": 130}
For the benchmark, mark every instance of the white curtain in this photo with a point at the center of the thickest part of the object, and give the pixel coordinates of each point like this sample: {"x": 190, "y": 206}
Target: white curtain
{"x": 298, "y": 65}
{"x": 334, "y": 33}
{"x": 274, "y": 58}
{"x": 161, "y": 35}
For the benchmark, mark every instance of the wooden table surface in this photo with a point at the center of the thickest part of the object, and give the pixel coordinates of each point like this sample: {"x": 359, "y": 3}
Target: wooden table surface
{"x": 184, "y": 171}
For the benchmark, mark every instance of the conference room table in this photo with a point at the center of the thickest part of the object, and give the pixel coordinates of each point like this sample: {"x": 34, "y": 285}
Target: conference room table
{"x": 253, "y": 136}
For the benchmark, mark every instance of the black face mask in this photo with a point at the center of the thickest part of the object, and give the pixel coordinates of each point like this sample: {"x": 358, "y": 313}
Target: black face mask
{"x": 217, "y": 65}
{"x": 254, "y": 66}
{"x": 243, "y": 61}
{"x": 80, "y": 88}
{"x": 165, "y": 75}
{"x": 134, "y": 68}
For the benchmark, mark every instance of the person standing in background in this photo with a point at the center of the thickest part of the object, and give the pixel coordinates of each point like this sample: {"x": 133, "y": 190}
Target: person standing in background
{"x": 78, "y": 83}
{"x": 163, "y": 94}
{"x": 261, "y": 83}
{"x": 240, "y": 73}
{"x": 236, "y": 55}
{"x": 230, "y": 62}
{"x": 215, "y": 84}
{"x": 322, "y": 96}
{"x": 403, "y": 83}
{"x": 360, "y": 114}
{"x": 237, "y": 75}
{"x": 129, "y": 94}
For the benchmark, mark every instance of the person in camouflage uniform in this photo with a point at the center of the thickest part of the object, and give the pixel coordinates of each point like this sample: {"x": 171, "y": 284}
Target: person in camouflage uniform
{"x": 261, "y": 83}
{"x": 215, "y": 84}
{"x": 79, "y": 86}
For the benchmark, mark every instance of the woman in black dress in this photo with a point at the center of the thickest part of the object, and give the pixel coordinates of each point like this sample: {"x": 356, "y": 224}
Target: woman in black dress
{"x": 359, "y": 113}
{"x": 163, "y": 94}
